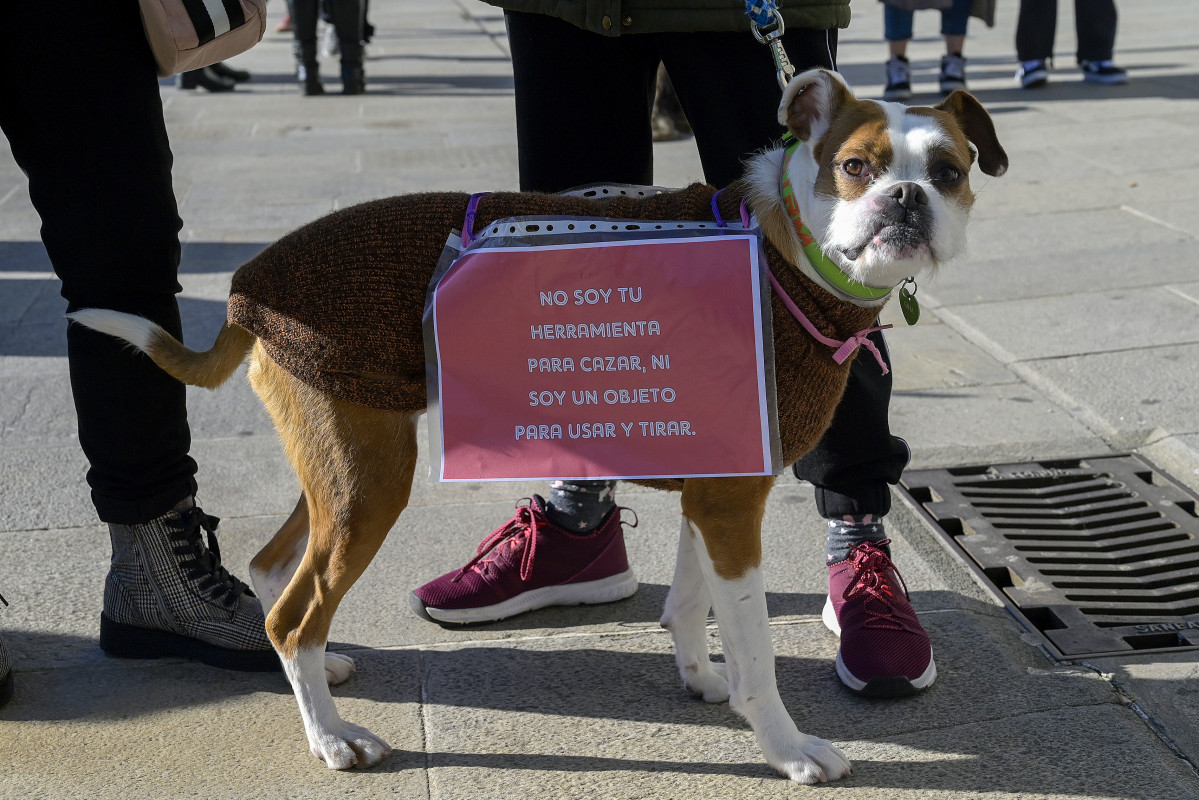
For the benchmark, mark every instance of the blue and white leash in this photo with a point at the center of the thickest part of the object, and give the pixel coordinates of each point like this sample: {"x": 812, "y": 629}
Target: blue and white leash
{"x": 766, "y": 23}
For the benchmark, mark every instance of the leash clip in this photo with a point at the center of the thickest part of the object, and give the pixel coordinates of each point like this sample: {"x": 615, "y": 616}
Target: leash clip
{"x": 771, "y": 34}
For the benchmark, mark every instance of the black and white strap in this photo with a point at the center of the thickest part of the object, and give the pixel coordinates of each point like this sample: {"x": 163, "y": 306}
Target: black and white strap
{"x": 213, "y": 18}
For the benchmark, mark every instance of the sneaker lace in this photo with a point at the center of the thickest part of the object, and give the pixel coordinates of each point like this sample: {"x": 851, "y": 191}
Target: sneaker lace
{"x": 897, "y": 72}
{"x": 871, "y": 565}
{"x": 203, "y": 564}
{"x": 523, "y": 526}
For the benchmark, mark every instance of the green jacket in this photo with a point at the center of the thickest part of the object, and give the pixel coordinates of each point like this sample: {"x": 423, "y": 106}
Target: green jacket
{"x": 616, "y": 17}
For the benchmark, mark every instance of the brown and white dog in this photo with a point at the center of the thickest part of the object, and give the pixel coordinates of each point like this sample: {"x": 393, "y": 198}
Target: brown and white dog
{"x": 883, "y": 189}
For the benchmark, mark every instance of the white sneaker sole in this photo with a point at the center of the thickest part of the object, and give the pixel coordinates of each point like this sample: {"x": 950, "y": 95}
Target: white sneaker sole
{"x": 606, "y": 590}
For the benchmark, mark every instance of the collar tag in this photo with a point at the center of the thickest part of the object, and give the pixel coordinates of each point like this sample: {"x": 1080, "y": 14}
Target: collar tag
{"x": 908, "y": 303}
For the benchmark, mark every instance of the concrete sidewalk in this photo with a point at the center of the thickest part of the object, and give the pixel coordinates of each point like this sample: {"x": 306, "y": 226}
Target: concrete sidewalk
{"x": 1071, "y": 330}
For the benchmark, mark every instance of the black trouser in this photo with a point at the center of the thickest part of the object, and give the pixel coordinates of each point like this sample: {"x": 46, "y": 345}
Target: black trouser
{"x": 84, "y": 120}
{"x": 346, "y": 16}
{"x": 583, "y": 104}
{"x": 1094, "y": 20}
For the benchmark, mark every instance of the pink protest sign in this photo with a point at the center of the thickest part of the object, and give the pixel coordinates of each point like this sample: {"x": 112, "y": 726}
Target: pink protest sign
{"x": 625, "y": 359}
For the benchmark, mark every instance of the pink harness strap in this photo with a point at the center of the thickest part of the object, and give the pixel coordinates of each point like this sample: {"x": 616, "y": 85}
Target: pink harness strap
{"x": 844, "y": 349}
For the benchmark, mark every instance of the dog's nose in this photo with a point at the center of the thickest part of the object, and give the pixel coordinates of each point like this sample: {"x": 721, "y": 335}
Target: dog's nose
{"x": 909, "y": 195}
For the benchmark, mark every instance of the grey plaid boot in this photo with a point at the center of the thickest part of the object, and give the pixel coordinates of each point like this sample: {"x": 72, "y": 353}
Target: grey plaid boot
{"x": 168, "y": 595}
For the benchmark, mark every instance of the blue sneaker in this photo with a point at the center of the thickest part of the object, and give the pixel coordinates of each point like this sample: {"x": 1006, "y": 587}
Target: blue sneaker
{"x": 1104, "y": 72}
{"x": 1033, "y": 74}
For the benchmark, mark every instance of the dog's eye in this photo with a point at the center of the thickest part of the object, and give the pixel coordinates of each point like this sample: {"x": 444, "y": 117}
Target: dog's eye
{"x": 855, "y": 168}
{"x": 947, "y": 175}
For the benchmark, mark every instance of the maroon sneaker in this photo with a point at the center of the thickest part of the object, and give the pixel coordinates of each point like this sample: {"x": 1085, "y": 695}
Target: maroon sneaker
{"x": 884, "y": 650}
{"x": 529, "y": 563}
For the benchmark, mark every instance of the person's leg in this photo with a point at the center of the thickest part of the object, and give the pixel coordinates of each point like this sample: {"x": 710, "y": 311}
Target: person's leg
{"x": 856, "y": 460}
{"x": 954, "y": 21}
{"x": 6, "y": 679}
{"x": 583, "y": 104}
{"x": 99, "y": 168}
{"x": 347, "y": 21}
{"x": 897, "y": 30}
{"x": 1095, "y": 22}
{"x": 1036, "y": 28}
{"x": 953, "y": 27}
{"x": 595, "y": 129}
{"x": 304, "y": 14}
{"x": 726, "y": 85}
{"x": 884, "y": 652}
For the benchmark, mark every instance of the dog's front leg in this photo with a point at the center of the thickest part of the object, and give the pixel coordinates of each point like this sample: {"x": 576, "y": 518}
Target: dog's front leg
{"x": 726, "y": 514}
{"x": 686, "y": 617}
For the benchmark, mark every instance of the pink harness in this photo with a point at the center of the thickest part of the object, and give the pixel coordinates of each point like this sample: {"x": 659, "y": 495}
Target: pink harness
{"x": 844, "y": 349}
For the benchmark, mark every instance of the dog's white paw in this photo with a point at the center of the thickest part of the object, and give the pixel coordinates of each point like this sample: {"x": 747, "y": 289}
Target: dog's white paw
{"x": 807, "y": 759}
{"x": 338, "y": 668}
{"x": 349, "y": 746}
{"x": 707, "y": 680}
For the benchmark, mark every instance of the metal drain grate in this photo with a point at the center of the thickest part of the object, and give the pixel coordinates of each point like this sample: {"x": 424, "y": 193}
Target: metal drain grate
{"x": 1100, "y": 556}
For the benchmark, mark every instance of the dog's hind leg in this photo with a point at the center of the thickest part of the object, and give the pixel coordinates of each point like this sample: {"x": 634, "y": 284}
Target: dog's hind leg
{"x": 276, "y": 562}
{"x": 355, "y": 465}
{"x": 271, "y": 570}
{"x": 727, "y": 514}
{"x": 686, "y": 617}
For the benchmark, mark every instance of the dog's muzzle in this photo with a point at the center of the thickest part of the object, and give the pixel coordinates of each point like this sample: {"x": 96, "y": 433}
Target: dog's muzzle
{"x": 902, "y": 222}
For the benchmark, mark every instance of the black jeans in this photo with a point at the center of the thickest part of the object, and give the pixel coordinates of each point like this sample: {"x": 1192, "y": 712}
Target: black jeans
{"x": 346, "y": 16}
{"x": 84, "y": 120}
{"x": 583, "y": 105}
{"x": 1094, "y": 20}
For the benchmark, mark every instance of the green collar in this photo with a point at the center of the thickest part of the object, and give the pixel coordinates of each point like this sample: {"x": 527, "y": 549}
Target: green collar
{"x": 823, "y": 264}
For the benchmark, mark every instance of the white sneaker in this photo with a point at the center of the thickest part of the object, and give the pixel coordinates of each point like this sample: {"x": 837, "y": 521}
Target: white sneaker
{"x": 899, "y": 79}
{"x": 953, "y": 73}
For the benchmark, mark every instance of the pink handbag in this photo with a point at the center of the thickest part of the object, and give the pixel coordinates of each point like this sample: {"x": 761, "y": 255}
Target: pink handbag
{"x": 190, "y": 34}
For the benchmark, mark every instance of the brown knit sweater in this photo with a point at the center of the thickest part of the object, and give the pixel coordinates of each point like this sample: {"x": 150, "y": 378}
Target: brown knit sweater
{"x": 339, "y": 302}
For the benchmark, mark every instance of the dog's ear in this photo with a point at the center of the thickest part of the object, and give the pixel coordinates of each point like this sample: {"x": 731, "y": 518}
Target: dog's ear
{"x": 810, "y": 101}
{"x": 976, "y": 123}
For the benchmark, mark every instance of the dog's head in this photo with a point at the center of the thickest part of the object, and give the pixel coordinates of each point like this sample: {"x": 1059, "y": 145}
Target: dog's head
{"x": 885, "y": 188}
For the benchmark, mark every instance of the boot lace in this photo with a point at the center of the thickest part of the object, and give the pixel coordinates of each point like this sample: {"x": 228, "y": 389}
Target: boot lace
{"x": 521, "y": 529}
{"x": 203, "y": 564}
{"x": 871, "y": 567}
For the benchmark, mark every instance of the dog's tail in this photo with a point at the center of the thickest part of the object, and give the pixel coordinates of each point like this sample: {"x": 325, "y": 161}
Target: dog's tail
{"x": 209, "y": 369}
